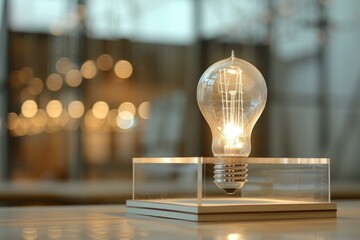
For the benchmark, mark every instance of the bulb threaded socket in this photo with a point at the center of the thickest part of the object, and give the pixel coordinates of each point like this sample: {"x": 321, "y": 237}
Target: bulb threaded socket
{"x": 230, "y": 177}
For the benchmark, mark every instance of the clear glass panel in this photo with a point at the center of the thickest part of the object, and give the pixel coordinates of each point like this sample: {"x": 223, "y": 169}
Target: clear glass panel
{"x": 178, "y": 179}
{"x": 152, "y": 181}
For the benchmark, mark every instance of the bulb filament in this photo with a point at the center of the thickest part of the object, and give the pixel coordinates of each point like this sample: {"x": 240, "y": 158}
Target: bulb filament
{"x": 231, "y": 88}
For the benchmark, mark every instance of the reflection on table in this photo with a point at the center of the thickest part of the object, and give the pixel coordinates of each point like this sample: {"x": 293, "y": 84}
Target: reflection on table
{"x": 112, "y": 222}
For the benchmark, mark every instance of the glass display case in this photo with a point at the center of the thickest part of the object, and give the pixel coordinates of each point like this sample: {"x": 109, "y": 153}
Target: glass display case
{"x": 274, "y": 188}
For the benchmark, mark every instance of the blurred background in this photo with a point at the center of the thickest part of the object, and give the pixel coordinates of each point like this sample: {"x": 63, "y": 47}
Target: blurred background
{"x": 88, "y": 84}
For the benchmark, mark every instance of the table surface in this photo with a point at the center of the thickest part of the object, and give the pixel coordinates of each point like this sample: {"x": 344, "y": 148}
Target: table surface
{"x": 112, "y": 222}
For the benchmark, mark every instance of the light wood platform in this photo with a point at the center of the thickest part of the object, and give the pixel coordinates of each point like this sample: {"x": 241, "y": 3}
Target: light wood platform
{"x": 228, "y": 209}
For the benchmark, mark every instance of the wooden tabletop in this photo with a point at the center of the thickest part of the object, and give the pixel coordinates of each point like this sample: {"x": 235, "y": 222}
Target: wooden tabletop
{"x": 112, "y": 222}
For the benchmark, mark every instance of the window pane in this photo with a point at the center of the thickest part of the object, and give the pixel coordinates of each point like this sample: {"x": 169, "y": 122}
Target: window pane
{"x": 35, "y": 15}
{"x": 158, "y": 21}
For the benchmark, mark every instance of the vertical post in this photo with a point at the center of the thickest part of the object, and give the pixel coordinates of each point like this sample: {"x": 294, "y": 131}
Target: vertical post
{"x": 193, "y": 65}
{"x": 75, "y": 155}
{"x": 200, "y": 186}
{"x": 329, "y": 179}
{"x": 4, "y": 173}
{"x": 323, "y": 100}
{"x": 133, "y": 178}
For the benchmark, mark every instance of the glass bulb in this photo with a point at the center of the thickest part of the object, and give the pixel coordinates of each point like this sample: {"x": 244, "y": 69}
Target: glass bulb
{"x": 231, "y": 95}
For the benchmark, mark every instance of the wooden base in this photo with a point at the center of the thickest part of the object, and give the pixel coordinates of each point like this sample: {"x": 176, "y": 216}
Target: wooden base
{"x": 231, "y": 209}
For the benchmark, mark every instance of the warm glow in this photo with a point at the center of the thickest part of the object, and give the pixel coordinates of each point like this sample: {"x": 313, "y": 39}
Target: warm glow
{"x": 144, "y": 110}
{"x": 127, "y": 106}
{"x": 234, "y": 71}
{"x": 40, "y": 119}
{"x": 111, "y": 118}
{"x": 29, "y": 108}
{"x": 73, "y": 78}
{"x": 63, "y": 65}
{"x": 234, "y": 236}
{"x": 76, "y": 109}
{"x": 25, "y": 74}
{"x": 92, "y": 123}
{"x": 54, "y": 82}
{"x": 37, "y": 123}
{"x": 231, "y": 132}
{"x": 100, "y": 109}
{"x": 23, "y": 127}
{"x": 104, "y": 62}
{"x": 125, "y": 120}
{"x": 13, "y": 120}
{"x": 123, "y": 69}
{"x": 88, "y": 69}
{"x": 63, "y": 119}
{"x": 30, "y": 233}
{"x": 54, "y": 108}
{"x": 52, "y": 125}
{"x": 35, "y": 86}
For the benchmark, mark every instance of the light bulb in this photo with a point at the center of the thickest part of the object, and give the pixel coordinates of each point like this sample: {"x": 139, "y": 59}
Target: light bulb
{"x": 231, "y": 95}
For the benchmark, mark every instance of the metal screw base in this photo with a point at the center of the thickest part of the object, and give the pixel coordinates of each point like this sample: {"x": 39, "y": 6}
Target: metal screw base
{"x": 230, "y": 177}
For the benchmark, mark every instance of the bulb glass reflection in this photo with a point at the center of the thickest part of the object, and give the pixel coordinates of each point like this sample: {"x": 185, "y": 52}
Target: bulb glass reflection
{"x": 231, "y": 95}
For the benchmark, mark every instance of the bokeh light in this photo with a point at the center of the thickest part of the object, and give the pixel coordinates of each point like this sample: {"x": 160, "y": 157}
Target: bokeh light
{"x": 35, "y": 86}
{"x": 63, "y": 65}
{"x": 127, "y": 106}
{"x": 54, "y": 108}
{"x": 54, "y": 82}
{"x": 144, "y": 110}
{"x": 23, "y": 127}
{"x": 40, "y": 119}
{"x": 25, "y": 74}
{"x": 76, "y": 109}
{"x": 88, "y": 69}
{"x": 13, "y": 120}
{"x": 52, "y": 125}
{"x": 92, "y": 123}
{"x": 73, "y": 78}
{"x": 104, "y": 62}
{"x": 100, "y": 109}
{"x": 125, "y": 120}
{"x": 123, "y": 69}
{"x": 29, "y": 233}
{"x": 29, "y": 108}
{"x": 38, "y": 123}
{"x": 234, "y": 236}
{"x": 63, "y": 119}
{"x": 111, "y": 118}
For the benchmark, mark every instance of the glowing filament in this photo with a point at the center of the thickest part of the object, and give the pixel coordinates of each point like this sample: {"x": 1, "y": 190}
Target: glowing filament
{"x": 232, "y": 108}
